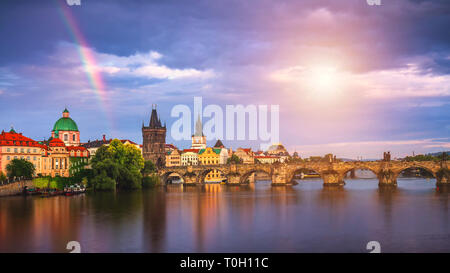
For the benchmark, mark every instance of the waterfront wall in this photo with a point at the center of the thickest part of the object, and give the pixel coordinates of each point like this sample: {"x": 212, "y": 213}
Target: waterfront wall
{"x": 14, "y": 188}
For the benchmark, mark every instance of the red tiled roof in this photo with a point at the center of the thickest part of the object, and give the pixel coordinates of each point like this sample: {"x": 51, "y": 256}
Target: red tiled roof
{"x": 191, "y": 150}
{"x": 80, "y": 149}
{"x": 56, "y": 142}
{"x": 247, "y": 150}
{"x": 17, "y": 139}
{"x": 76, "y": 148}
{"x": 171, "y": 146}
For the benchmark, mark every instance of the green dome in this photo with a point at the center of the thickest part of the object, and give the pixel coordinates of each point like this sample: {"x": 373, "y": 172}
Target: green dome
{"x": 65, "y": 124}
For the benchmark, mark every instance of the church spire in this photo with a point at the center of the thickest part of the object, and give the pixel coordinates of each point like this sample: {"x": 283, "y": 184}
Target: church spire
{"x": 198, "y": 127}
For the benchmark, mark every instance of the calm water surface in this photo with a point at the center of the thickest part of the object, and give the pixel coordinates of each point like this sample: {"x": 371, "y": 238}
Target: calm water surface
{"x": 415, "y": 217}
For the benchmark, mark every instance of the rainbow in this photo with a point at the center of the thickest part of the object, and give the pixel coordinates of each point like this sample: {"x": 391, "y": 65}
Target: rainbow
{"x": 87, "y": 59}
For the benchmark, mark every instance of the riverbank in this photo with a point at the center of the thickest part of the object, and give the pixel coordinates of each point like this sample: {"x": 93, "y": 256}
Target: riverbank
{"x": 15, "y": 187}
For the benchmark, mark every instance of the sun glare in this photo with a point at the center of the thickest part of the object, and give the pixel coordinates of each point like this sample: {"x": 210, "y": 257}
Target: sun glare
{"x": 323, "y": 79}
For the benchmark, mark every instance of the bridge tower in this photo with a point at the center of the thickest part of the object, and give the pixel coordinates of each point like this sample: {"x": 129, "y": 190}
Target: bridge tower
{"x": 154, "y": 140}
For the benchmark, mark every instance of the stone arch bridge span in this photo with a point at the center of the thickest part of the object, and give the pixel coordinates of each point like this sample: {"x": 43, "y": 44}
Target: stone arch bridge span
{"x": 332, "y": 173}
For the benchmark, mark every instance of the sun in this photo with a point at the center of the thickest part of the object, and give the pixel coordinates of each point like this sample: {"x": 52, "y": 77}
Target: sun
{"x": 323, "y": 79}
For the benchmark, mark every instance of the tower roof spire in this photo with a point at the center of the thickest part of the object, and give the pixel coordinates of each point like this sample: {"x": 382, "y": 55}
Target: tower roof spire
{"x": 198, "y": 127}
{"x": 155, "y": 122}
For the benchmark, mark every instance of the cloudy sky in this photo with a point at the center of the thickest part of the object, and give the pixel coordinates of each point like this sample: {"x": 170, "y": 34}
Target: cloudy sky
{"x": 349, "y": 78}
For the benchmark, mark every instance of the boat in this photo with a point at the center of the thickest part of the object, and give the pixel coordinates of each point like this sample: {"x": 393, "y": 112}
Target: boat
{"x": 309, "y": 175}
{"x": 73, "y": 190}
{"x": 51, "y": 192}
{"x": 31, "y": 191}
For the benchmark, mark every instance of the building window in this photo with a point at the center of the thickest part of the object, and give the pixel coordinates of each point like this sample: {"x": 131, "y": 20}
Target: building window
{"x": 8, "y": 150}
{"x": 28, "y": 158}
{"x": 29, "y": 151}
{"x": 73, "y": 137}
{"x": 7, "y": 158}
{"x": 15, "y": 150}
{"x": 66, "y": 137}
{"x": 15, "y": 157}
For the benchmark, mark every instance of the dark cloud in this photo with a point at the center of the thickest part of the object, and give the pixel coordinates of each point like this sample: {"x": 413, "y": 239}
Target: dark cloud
{"x": 240, "y": 40}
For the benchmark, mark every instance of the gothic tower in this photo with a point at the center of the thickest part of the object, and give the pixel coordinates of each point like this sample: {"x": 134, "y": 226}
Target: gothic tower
{"x": 154, "y": 140}
{"x": 198, "y": 139}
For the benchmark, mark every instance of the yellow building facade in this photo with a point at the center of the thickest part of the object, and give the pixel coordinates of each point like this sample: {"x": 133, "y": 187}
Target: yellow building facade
{"x": 211, "y": 156}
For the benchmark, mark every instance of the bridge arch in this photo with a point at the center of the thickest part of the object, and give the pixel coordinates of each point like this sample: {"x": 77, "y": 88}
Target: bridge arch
{"x": 214, "y": 174}
{"x": 415, "y": 166}
{"x": 165, "y": 177}
{"x": 247, "y": 174}
{"x": 302, "y": 169}
{"x": 361, "y": 168}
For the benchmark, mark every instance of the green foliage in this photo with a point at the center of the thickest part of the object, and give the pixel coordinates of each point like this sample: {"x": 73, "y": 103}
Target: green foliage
{"x": 118, "y": 163}
{"x": 234, "y": 159}
{"x": 295, "y": 160}
{"x": 149, "y": 167}
{"x": 41, "y": 182}
{"x": 53, "y": 182}
{"x": 129, "y": 180}
{"x": 77, "y": 165}
{"x": 103, "y": 183}
{"x": 19, "y": 168}
{"x": 150, "y": 181}
{"x": 422, "y": 158}
{"x": 2, "y": 177}
{"x": 82, "y": 175}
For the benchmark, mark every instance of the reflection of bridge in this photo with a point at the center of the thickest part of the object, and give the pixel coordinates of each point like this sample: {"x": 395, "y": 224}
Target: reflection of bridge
{"x": 332, "y": 173}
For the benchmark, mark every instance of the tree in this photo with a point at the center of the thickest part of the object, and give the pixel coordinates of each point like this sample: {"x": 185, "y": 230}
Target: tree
{"x": 149, "y": 167}
{"x": 121, "y": 164}
{"x": 20, "y": 168}
{"x": 421, "y": 158}
{"x": 234, "y": 159}
{"x": 2, "y": 177}
{"x": 103, "y": 183}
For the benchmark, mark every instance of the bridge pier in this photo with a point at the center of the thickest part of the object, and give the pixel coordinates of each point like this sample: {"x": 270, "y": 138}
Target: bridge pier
{"x": 387, "y": 178}
{"x": 234, "y": 179}
{"x": 190, "y": 179}
{"x": 443, "y": 177}
{"x": 280, "y": 179}
{"x": 332, "y": 179}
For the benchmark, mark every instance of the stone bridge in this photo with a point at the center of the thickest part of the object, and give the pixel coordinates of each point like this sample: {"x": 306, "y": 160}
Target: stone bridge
{"x": 332, "y": 173}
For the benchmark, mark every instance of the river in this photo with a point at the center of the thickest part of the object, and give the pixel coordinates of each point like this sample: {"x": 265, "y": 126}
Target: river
{"x": 415, "y": 217}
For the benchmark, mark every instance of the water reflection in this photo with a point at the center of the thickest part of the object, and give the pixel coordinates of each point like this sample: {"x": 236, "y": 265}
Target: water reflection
{"x": 219, "y": 218}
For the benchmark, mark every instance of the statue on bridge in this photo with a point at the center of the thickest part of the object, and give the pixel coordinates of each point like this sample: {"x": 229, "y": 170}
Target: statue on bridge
{"x": 387, "y": 156}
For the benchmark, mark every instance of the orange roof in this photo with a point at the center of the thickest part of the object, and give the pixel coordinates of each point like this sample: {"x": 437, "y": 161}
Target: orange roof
{"x": 76, "y": 148}
{"x": 191, "y": 150}
{"x": 56, "y": 142}
{"x": 17, "y": 139}
{"x": 171, "y": 146}
{"x": 247, "y": 150}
